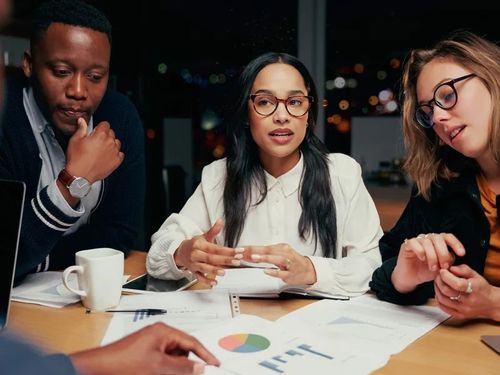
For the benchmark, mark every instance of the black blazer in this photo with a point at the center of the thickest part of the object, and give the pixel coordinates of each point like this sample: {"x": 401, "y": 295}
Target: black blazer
{"x": 455, "y": 207}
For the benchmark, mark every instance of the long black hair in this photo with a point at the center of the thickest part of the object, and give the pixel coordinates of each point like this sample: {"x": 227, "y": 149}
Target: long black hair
{"x": 245, "y": 171}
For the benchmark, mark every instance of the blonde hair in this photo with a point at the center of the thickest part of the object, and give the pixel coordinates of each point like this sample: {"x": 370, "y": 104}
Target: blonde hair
{"x": 427, "y": 160}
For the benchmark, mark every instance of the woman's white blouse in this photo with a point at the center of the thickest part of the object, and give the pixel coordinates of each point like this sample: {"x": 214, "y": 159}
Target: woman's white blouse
{"x": 275, "y": 221}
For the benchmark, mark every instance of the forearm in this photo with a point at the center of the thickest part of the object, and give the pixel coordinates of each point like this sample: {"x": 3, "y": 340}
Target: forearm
{"x": 160, "y": 261}
{"x": 43, "y": 226}
{"x": 382, "y": 285}
{"x": 349, "y": 276}
{"x": 93, "y": 362}
{"x": 401, "y": 282}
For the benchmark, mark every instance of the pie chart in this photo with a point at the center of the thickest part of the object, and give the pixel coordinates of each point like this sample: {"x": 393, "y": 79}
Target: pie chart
{"x": 244, "y": 343}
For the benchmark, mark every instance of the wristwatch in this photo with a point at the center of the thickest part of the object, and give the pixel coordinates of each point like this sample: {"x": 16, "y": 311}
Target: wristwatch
{"x": 78, "y": 187}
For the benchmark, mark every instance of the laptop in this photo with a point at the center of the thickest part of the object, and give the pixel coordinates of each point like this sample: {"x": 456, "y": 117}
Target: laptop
{"x": 11, "y": 212}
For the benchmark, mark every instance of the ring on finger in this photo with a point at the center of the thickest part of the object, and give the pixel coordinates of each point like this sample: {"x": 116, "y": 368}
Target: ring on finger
{"x": 456, "y": 298}
{"x": 288, "y": 262}
{"x": 469, "y": 287}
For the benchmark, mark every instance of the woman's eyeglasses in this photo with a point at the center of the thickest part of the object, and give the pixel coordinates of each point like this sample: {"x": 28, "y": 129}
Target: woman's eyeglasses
{"x": 296, "y": 106}
{"x": 445, "y": 97}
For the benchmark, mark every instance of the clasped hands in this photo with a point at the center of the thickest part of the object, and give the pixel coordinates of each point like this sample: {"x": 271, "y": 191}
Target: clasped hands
{"x": 460, "y": 291}
{"x": 205, "y": 259}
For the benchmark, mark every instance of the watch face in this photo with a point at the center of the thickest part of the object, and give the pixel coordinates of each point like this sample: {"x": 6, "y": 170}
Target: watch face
{"x": 79, "y": 188}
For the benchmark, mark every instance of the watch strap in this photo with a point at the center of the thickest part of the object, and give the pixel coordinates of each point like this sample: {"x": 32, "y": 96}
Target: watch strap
{"x": 65, "y": 177}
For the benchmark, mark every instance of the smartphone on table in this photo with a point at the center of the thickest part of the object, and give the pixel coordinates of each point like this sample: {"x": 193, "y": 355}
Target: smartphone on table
{"x": 148, "y": 284}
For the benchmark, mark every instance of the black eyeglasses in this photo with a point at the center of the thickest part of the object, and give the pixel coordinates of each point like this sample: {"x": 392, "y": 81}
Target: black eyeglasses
{"x": 445, "y": 97}
{"x": 296, "y": 106}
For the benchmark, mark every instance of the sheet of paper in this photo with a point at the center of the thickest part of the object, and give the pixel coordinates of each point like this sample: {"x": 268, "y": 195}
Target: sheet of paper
{"x": 370, "y": 324}
{"x": 47, "y": 289}
{"x": 252, "y": 345}
{"x": 186, "y": 310}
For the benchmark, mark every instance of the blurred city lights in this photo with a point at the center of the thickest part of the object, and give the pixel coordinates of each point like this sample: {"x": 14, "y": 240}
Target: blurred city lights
{"x": 352, "y": 83}
{"x": 385, "y": 95}
{"x": 150, "y": 133}
{"x": 344, "y": 126}
{"x": 209, "y": 120}
{"x": 373, "y": 100}
{"x": 395, "y": 63}
{"x": 381, "y": 75}
{"x": 162, "y": 68}
{"x": 339, "y": 83}
{"x": 391, "y": 106}
{"x": 344, "y": 105}
{"x": 359, "y": 68}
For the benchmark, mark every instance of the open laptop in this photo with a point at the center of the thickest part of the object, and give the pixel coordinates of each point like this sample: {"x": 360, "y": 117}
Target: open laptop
{"x": 11, "y": 212}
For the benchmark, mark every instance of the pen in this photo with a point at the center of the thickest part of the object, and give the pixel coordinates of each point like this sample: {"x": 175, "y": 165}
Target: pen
{"x": 147, "y": 311}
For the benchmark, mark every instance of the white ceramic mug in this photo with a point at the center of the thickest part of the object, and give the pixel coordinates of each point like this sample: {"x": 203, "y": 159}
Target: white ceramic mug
{"x": 100, "y": 275}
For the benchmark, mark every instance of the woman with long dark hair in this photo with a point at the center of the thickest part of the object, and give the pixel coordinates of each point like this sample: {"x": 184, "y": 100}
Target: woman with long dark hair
{"x": 278, "y": 197}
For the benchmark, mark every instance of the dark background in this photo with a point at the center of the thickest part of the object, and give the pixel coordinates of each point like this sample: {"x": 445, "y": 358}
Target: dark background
{"x": 181, "y": 58}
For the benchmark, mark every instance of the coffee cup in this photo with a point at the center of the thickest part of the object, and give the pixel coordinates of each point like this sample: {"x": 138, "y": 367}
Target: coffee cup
{"x": 100, "y": 274}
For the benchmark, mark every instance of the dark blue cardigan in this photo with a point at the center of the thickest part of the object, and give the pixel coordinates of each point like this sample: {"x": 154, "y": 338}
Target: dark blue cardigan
{"x": 115, "y": 220}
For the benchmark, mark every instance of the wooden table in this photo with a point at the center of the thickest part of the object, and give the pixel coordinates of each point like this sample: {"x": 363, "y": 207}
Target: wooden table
{"x": 451, "y": 348}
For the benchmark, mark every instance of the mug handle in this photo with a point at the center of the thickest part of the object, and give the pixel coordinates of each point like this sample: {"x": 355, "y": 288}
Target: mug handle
{"x": 67, "y": 271}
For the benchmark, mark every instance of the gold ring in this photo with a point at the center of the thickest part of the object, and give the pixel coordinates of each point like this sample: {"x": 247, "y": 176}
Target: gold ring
{"x": 469, "y": 287}
{"x": 288, "y": 262}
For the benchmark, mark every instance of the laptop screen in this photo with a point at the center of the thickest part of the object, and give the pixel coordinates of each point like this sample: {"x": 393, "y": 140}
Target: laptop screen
{"x": 11, "y": 212}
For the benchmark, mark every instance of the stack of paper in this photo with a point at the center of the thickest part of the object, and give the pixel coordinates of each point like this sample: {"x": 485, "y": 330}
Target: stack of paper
{"x": 47, "y": 289}
{"x": 252, "y": 345}
{"x": 326, "y": 337}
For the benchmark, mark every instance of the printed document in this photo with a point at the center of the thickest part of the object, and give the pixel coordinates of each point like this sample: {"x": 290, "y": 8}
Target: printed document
{"x": 251, "y": 345}
{"x": 369, "y": 324}
{"x": 186, "y": 310}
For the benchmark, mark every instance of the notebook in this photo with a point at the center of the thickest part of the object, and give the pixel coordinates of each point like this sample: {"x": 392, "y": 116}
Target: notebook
{"x": 11, "y": 211}
{"x": 253, "y": 282}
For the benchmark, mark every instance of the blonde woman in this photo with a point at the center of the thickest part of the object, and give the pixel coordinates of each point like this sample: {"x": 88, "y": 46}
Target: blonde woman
{"x": 447, "y": 242}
